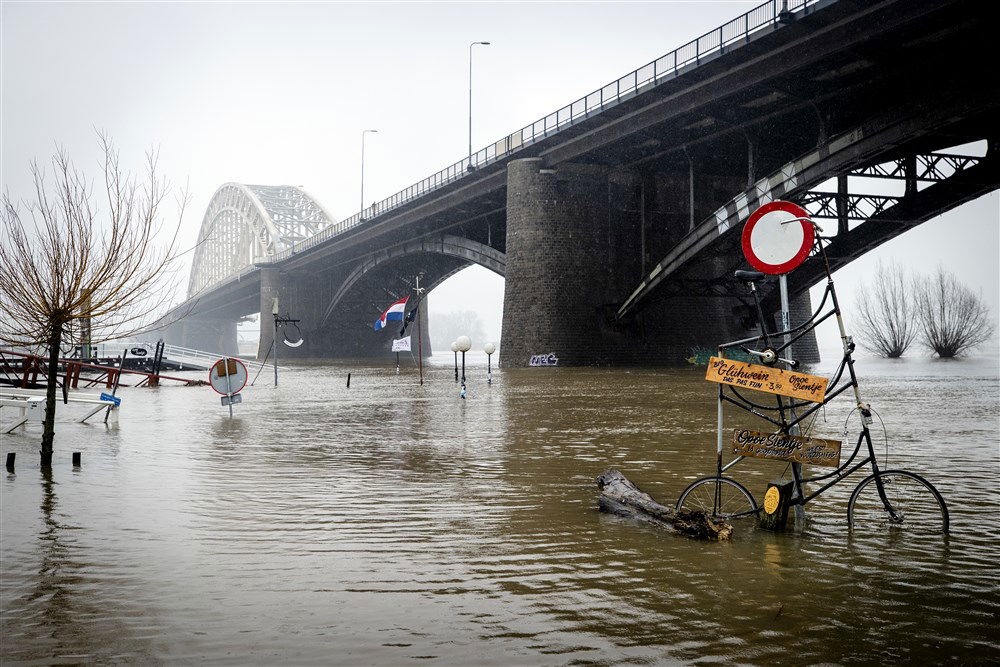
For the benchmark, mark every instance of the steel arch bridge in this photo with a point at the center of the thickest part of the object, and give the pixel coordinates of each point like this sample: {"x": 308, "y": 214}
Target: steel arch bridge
{"x": 249, "y": 224}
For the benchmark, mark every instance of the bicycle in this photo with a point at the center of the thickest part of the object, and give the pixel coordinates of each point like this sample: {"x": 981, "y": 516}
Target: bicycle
{"x": 885, "y": 498}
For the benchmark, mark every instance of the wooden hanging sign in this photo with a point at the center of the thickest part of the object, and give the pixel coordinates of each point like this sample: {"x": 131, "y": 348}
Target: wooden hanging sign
{"x": 763, "y": 378}
{"x": 814, "y": 451}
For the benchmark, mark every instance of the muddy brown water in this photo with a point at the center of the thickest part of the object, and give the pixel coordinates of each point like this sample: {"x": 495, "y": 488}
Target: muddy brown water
{"x": 389, "y": 523}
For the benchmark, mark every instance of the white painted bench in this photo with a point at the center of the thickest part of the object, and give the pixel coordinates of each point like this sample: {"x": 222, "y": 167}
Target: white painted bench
{"x": 31, "y": 404}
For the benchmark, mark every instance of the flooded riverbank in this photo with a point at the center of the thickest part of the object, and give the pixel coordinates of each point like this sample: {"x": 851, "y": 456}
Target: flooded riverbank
{"x": 389, "y": 522}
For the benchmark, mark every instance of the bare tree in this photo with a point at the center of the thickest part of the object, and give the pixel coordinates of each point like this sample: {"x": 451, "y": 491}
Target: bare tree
{"x": 887, "y": 312}
{"x": 954, "y": 319}
{"x": 70, "y": 265}
{"x": 446, "y": 327}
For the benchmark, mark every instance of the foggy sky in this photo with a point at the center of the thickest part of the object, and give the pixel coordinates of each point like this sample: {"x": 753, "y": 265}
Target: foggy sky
{"x": 279, "y": 94}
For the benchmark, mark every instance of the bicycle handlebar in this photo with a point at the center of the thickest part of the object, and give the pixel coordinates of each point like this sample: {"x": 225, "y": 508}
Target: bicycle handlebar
{"x": 769, "y": 356}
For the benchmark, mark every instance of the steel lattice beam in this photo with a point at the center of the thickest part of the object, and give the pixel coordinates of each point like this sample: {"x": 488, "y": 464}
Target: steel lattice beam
{"x": 249, "y": 224}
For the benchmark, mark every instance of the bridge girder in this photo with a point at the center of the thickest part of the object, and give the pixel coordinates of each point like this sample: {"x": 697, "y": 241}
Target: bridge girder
{"x": 891, "y": 146}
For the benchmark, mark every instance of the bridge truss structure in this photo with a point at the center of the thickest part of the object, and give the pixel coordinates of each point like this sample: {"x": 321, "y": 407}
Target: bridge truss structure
{"x": 246, "y": 225}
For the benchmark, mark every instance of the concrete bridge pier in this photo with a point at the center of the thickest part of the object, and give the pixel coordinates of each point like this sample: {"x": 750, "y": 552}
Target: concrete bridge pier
{"x": 806, "y": 348}
{"x": 274, "y": 285}
{"x": 571, "y": 239}
{"x": 556, "y": 272}
{"x": 208, "y": 334}
{"x": 346, "y": 332}
{"x": 350, "y": 333}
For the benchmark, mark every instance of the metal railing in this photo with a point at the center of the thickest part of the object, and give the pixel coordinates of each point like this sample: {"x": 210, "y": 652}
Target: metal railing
{"x": 665, "y": 68}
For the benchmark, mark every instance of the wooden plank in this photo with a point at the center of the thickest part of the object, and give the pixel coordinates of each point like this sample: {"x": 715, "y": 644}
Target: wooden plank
{"x": 783, "y": 447}
{"x": 764, "y": 378}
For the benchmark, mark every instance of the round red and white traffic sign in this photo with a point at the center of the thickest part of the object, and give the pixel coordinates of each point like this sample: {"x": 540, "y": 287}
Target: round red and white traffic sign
{"x": 778, "y": 237}
{"x": 228, "y": 376}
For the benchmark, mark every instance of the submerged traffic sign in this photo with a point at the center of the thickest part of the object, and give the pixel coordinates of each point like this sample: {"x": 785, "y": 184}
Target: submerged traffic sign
{"x": 228, "y": 376}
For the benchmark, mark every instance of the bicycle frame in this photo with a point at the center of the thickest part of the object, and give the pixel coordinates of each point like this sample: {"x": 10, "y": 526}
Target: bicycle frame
{"x": 783, "y": 409}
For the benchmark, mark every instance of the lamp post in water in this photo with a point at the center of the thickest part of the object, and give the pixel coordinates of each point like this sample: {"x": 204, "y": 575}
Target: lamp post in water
{"x": 464, "y": 344}
{"x": 454, "y": 350}
{"x": 489, "y": 349}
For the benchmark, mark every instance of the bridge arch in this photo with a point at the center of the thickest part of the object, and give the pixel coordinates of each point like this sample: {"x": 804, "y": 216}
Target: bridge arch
{"x": 448, "y": 245}
{"x": 936, "y": 181}
{"x": 247, "y": 224}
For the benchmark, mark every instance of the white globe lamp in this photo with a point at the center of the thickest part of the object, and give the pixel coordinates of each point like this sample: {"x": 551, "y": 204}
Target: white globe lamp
{"x": 464, "y": 344}
{"x": 489, "y": 349}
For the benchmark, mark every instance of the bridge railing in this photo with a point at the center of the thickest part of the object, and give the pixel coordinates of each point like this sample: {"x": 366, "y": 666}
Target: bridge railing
{"x": 664, "y": 68}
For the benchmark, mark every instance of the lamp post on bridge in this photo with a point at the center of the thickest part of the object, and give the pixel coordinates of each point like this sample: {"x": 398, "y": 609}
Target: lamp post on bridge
{"x": 361, "y": 215}
{"x": 470, "y": 167}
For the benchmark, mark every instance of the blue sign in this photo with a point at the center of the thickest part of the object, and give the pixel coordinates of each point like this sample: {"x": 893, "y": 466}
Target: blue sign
{"x": 111, "y": 399}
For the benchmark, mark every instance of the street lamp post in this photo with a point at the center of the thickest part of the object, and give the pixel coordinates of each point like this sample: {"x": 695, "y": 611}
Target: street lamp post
{"x": 464, "y": 344}
{"x": 489, "y": 349}
{"x": 363, "y": 133}
{"x": 470, "y": 99}
{"x": 454, "y": 349}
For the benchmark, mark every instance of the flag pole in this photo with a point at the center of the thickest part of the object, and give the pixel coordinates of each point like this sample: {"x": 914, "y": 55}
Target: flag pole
{"x": 420, "y": 338}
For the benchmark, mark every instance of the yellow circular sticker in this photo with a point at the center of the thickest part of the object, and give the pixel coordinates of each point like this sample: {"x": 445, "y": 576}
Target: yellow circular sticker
{"x": 771, "y": 500}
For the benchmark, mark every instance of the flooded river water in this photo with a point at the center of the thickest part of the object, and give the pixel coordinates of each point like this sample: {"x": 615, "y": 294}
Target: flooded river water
{"x": 389, "y": 523}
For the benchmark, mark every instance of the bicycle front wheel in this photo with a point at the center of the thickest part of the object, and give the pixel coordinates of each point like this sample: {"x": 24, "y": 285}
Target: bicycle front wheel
{"x": 719, "y": 497}
{"x": 914, "y": 505}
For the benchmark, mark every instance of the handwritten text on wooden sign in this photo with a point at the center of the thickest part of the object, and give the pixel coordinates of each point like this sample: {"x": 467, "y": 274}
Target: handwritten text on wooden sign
{"x": 763, "y": 378}
{"x": 815, "y": 451}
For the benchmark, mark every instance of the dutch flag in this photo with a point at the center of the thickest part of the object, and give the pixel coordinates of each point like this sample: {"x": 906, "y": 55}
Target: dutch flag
{"x": 393, "y": 313}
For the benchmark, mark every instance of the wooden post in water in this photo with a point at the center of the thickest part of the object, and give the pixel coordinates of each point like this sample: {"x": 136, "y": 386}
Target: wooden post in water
{"x": 776, "y": 503}
{"x": 10, "y": 461}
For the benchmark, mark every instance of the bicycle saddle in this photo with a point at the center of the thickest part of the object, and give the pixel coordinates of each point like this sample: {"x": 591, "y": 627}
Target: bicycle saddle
{"x": 749, "y": 276}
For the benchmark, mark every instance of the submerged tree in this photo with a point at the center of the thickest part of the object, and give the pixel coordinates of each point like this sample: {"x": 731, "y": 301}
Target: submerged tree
{"x": 887, "y": 312}
{"x": 954, "y": 319}
{"x": 70, "y": 263}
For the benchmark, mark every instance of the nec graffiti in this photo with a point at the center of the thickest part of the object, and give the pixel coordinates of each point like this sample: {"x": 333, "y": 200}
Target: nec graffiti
{"x": 544, "y": 360}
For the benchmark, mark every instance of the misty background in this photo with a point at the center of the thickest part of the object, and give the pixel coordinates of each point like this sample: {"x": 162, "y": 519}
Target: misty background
{"x": 280, "y": 93}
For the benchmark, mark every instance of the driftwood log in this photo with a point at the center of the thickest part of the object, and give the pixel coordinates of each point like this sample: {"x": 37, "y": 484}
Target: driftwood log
{"x": 622, "y": 497}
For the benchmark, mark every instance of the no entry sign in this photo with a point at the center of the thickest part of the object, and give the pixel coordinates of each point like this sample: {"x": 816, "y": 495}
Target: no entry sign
{"x": 228, "y": 376}
{"x": 778, "y": 237}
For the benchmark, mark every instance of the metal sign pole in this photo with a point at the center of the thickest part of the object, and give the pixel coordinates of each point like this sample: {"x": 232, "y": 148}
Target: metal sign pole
{"x": 786, "y": 324}
{"x": 420, "y": 338}
{"x": 229, "y": 384}
{"x": 274, "y": 344}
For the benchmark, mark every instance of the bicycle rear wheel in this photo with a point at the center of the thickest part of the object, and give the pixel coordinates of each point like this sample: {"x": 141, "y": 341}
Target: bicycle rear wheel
{"x": 733, "y": 500}
{"x": 917, "y": 507}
